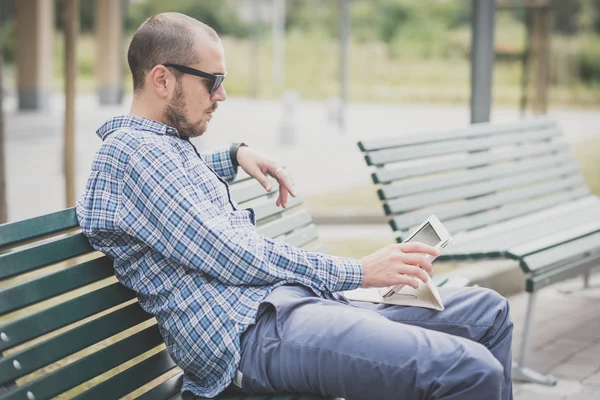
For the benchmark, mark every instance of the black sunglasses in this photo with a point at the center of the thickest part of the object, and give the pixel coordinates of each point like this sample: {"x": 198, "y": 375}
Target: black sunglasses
{"x": 216, "y": 79}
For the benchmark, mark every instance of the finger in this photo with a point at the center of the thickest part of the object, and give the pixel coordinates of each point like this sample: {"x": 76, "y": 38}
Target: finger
{"x": 283, "y": 180}
{"x": 417, "y": 272}
{"x": 416, "y": 259}
{"x": 262, "y": 178}
{"x": 418, "y": 247}
{"x": 283, "y": 194}
{"x": 407, "y": 280}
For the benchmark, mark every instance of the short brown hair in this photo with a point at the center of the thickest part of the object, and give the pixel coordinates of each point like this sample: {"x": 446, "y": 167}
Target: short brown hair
{"x": 164, "y": 38}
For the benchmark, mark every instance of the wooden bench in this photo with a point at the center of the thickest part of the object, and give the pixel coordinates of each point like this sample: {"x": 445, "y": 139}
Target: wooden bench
{"x": 58, "y": 297}
{"x": 503, "y": 191}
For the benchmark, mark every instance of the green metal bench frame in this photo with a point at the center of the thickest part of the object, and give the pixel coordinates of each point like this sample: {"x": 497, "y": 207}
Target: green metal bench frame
{"x": 503, "y": 191}
{"x": 46, "y": 259}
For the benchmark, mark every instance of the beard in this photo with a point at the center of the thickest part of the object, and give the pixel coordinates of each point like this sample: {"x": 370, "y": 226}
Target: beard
{"x": 174, "y": 116}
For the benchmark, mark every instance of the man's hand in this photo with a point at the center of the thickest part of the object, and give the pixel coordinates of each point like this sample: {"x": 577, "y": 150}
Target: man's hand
{"x": 397, "y": 264}
{"x": 258, "y": 165}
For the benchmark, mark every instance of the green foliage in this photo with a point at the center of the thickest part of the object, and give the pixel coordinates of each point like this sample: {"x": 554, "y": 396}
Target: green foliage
{"x": 219, "y": 14}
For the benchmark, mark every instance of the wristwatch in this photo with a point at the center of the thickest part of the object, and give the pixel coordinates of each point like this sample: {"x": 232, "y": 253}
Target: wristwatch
{"x": 233, "y": 150}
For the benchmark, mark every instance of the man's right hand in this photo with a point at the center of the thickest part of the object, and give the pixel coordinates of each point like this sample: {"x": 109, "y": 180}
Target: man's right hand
{"x": 398, "y": 264}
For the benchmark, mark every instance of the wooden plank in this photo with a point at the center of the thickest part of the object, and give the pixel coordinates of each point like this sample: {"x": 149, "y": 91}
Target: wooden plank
{"x": 566, "y": 178}
{"x": 472, "y": 131}
{"x": 269, "y": 209}
{"x": 48, "y": 286}
{"x": 71, "y": 375}
{"x": 19, "y": 232}
{"x": 463, "y": 177}
{"x": 465, "y": 208}
{"x": 130, "y": 379}
{"x": 512, "y": 211}
{"x": 573, "y": 268}
{"x": 387, "y": 174}
{"x": 558, "y": 238}
{"x": 523, "y": 222}
{"x": 42, "y": 255}
{"x": 166, "y": 390}
{"x": 561, "y": 254}
{"x": 50, "y": 319}
{"x": 70, "y": 342}
{"x": 286, "y": 224}
{"x": 249, "y": 191}
{"x": 302, "y": 236}
{"x": 540, "y": 230}
{"x": 417, "y": 151}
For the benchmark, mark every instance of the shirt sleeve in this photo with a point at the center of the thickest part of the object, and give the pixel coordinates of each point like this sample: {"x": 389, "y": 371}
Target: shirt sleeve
{"x": 220, "y": 161}
{"x": 161, "y": 207}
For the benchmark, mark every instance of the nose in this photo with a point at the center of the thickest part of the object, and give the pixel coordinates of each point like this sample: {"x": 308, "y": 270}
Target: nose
{"x": 220, "y": 94}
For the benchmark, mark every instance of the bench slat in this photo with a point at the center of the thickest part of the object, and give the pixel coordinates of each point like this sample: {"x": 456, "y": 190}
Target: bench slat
{"x": 386, "y": 174}
{"x": 166, "y": 390}
{"x": 507, "y": 227}
{"x": 50, "y": 319}
{"x": 269, "y": 209}
{"x": 286, "y": 224}
{"x": 468, "y": 207}
{"x": 562, "y": 177}
{"x": 250, "y": 191}
{"x": 28, "y": 293}
{"x": 551, "y": 240}
{"x": 89, "y": 367}
{"x": 513, "y": 210}
{"x": 43, "y": 255}
{"x": 417, "y": 151}
{"x": 302, "y": 236}
{"x": 464, "y": 177}
{"x": 19, "y": 232}
{"x": 543, "y": 228}
{"x": 475, "y": 130}
{"x": 562, "y": 253}
{"x": 572, "y": 268}
{"x": 130, "y": 379}
{"x": 70, "y": 342}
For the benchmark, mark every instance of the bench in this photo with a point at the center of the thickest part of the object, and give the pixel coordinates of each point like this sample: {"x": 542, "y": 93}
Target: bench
{"x": 58, "y": 297}
{"x": 509, "y": 191}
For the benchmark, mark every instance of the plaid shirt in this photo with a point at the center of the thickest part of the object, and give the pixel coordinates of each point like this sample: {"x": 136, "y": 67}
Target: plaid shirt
{"x": 164, "y": 213}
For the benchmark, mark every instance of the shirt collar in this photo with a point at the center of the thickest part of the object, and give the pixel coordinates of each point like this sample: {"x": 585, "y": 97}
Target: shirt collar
{"x": 130, "y": 121}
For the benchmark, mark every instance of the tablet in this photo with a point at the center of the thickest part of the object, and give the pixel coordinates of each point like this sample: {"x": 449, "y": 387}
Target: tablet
{"x": 430, "y": 232}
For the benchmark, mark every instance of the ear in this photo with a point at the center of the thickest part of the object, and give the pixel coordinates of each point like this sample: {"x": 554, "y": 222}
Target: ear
{"x": 161, "y": 80}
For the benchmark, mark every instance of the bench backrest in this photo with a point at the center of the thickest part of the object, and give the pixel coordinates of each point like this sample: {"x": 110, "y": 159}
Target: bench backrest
{"x": 473, "y": 177}
{"x": 66, "y": 323}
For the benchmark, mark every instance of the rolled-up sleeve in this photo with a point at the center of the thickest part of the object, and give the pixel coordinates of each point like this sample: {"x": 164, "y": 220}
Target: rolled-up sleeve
{"x": 220, "y": 161}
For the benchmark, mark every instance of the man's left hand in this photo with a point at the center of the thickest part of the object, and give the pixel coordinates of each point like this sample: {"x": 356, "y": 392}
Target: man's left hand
{"x": 258, "y": 165}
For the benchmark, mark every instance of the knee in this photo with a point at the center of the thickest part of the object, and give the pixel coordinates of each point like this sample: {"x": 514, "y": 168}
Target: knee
{"x": 486, "y": 369}
{"x": 499, "y": 305}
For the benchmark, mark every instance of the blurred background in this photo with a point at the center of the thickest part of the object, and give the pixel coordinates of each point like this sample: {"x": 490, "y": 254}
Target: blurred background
{"x": 306, "y": 80}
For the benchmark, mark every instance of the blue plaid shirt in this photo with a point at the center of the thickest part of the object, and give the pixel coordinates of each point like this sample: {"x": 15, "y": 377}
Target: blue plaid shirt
{"x": 164, "y": 213}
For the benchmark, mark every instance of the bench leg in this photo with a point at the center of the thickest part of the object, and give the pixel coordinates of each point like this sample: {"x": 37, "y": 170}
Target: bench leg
{"x": 520, "y": 370}
{"x": 586, "y": 283}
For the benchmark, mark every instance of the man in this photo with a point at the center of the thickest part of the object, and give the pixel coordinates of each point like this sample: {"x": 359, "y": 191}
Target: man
{"x": 236, "y": 308}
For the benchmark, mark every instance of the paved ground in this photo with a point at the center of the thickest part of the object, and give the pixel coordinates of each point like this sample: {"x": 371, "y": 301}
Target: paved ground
{"x": 566, "y": 340}
{"x": 320, "y": 158}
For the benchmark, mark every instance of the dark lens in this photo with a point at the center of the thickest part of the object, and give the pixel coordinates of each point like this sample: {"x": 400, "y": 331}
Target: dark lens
{"x": 219, "y": 79}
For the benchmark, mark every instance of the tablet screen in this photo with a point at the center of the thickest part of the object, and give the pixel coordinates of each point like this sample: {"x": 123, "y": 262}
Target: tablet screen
{"x": 426, "y": 235}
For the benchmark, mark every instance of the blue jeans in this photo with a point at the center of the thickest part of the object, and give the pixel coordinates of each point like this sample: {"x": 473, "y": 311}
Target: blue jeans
{"x": 305, "y": 344}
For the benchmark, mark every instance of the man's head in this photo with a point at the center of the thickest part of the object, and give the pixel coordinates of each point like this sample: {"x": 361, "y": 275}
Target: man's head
{"x": 182, "y": 100}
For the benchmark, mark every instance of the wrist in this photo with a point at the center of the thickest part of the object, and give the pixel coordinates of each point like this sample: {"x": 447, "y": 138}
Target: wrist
{"x": 233, "y": 153}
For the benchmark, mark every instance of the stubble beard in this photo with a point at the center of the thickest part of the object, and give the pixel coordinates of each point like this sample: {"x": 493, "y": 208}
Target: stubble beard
{"x": 174, "y": 116}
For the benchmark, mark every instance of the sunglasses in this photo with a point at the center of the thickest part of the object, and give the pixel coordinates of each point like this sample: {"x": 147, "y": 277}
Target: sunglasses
{"x": 216, "y": 79}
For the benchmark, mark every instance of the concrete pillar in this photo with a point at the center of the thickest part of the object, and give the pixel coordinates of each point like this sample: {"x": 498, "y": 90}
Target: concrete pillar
{"x": 109, "y": 51}
{"x": 35, "y": 34}
{"x": 482, "y": 59}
